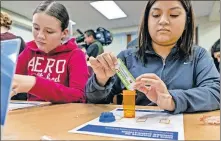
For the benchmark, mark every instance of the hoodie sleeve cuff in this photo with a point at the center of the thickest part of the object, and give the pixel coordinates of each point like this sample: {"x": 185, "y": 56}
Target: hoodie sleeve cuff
{"x": 38, "y": 84}
{"x": 178, "y": 100}
{"x": 108, "y": 85}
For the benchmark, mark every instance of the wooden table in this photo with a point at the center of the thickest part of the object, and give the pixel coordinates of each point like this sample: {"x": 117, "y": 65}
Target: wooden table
{"x": 57, "y": 120}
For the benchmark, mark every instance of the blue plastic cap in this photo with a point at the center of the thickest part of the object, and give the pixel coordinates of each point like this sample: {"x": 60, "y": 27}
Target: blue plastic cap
{"x": 107, "y": 117}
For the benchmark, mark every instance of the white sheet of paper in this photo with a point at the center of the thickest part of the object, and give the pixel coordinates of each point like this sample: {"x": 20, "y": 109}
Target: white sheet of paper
{"x": 20, "y": 105}
{"x": 147, "y": 125}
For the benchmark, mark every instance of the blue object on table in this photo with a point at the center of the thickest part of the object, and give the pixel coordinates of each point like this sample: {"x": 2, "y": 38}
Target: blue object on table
{"x": 107, "y": 117}
{"x": 9, "y": 55}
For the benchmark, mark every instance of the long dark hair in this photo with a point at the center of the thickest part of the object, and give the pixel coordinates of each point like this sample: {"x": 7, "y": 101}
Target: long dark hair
{"x": 56, "y": 10}
{"x": 216, "y": 48}
{"x": 184, "y": 43}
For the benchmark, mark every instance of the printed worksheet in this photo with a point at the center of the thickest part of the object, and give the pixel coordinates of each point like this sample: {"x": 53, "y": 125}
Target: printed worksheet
{"x": 147, "y": 125}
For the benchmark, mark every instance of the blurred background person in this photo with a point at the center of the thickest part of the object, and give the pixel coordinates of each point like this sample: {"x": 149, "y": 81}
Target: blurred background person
{"x": 94, "y": 47}
{"x": 6, "y": 23}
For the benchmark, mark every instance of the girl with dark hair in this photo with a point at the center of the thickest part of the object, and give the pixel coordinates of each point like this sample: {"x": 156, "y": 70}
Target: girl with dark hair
{"x": 48, "y": 69}
{"x": 170, "y": 72}
{"x": 215, "y": 53}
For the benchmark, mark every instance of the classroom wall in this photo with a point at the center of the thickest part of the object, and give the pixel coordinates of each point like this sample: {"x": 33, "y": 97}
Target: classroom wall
{"x": 209, "y": 32}
{"x": 119, "y": 43}
{"x": 23, "y": 32}
{"x": 120, "y": 39}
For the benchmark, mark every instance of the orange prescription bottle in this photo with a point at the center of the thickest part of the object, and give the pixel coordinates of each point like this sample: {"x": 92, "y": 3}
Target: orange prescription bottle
{"x": 129, "y": 103}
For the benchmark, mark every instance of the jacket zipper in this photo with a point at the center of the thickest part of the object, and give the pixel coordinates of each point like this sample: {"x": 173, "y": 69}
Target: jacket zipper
{"x": 164, "y": 63}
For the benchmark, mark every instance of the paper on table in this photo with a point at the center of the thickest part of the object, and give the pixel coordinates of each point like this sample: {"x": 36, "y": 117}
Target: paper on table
{"x": 25, "y": 104}
{"x": 148, "y": 124}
